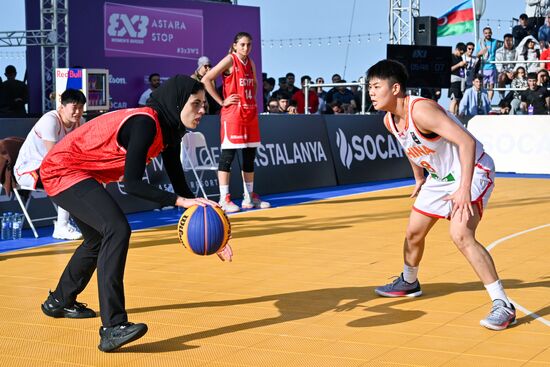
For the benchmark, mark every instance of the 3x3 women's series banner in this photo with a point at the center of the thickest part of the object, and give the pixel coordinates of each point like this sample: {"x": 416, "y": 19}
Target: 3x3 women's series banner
{"x": 135, "y": 38}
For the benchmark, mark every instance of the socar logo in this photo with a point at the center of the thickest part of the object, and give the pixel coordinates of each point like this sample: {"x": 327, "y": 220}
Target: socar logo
{"x": 346, "y": 154}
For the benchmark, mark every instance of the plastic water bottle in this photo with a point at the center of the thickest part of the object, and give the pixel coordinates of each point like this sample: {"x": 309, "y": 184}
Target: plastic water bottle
{"x": 17, "y": 225}
{"x": 530, "y": 109}
{"x": 6, "y": 226}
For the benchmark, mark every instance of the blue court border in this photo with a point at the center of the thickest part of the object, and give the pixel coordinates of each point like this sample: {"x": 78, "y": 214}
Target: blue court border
{"x": 157, "y": 218}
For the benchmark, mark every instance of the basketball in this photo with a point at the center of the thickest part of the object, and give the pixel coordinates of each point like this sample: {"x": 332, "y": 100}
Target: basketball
{"x": 204, "y": 230}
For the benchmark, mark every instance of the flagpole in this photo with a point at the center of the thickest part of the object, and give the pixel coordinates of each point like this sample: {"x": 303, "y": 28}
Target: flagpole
{"x": 476, "y": 26}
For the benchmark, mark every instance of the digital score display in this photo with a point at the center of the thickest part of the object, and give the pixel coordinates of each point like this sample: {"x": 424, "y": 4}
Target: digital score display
{"x": 428, "y": 66}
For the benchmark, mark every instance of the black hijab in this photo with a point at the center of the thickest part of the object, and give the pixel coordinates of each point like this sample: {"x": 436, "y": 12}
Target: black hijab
{"x": 168, "y": 100}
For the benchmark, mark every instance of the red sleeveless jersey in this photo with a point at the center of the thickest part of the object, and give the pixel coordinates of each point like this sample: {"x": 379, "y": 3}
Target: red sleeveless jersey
{"x": 92, "y": 151}
{"x": 239, "y": 122}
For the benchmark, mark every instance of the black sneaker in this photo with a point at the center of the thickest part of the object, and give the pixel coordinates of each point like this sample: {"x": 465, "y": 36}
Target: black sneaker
{"x": 52, "y": 307}
{"x": 116, "y": 336}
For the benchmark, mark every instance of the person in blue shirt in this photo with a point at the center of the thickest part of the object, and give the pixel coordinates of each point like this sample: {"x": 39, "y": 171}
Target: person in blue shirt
{"x": 475, "y": 100}
{"x": 488, "y": 48}
{"x": 544, "y": 30}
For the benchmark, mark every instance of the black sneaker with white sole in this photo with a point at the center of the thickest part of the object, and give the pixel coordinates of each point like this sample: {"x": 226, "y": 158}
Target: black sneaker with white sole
{"x": 115, "y": 337}
{"x": 53, "y": 308}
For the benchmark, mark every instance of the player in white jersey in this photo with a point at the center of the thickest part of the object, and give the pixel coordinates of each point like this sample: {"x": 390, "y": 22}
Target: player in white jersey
{"x": 47, "y": 131}
{"x": 459, "y": 182}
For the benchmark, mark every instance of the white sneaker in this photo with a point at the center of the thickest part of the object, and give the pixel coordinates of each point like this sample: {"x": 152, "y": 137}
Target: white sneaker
{"x": 65, "y": 232}
{"x": 500, "y": 317}
{"x": 255, "y": 202}
{"x": 228, "y": 206}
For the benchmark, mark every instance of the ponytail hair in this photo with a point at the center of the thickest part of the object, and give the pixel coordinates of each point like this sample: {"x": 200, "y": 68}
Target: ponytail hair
{"x": 238, "y": 36}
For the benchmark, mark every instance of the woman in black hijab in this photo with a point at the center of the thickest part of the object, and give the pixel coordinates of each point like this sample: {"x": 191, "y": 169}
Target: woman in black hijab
{"x": 116, "y": 147}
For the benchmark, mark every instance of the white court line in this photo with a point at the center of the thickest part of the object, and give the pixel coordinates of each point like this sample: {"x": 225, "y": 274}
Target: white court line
{"x": 517, "y": 305}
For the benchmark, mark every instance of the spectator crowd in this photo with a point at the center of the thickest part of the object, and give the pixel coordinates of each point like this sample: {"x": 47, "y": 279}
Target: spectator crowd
{"x": 516, "y": 68}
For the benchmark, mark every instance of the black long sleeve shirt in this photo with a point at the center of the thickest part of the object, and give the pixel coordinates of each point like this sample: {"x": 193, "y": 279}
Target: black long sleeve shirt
{"x": 136, "y": 136}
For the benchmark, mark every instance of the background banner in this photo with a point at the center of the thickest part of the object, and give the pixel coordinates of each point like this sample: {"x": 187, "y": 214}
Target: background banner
{"x": 517, "y": 143}
{"x": 364, "y": 150}
{"x": 298, "y": 152}
{"x": 134, "y": 38}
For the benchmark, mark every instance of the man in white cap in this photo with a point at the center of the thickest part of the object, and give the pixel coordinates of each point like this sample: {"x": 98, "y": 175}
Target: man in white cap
{"x": 203, "y": 65}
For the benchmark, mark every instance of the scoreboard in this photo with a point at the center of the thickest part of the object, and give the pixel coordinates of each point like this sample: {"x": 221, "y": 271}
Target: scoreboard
{"x": 428, "y": 66}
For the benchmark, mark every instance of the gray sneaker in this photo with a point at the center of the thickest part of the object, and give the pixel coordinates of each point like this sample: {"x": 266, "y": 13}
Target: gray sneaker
{"x": 500, "y": 317}
{"x": 399, "y": 288}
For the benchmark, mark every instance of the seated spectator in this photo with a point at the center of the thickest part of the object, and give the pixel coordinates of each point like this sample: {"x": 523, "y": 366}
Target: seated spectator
{"x": 520, "y": 83}
{"x": 343, "y": 95}
{"x": 505, "y": 106}
{"x": 336, "y": 78}
{"x": 543, "y": 79}
{"x": 15, "y": 94}
{"x": 283, "y": 88}
{"x": 300, "y": 99}
{"x": 535, "y": 97}
{"x": 506, "y": 53}
{"x": 268, "y": 85}
{"x": 522, "y": 30}
{"x": 336, "y": 107}
{"x": 475, "y": 100}
{"x": 544, "y": 30}
{"x": 154, "y": 83}
{"x": 272, "y": 105}
{"x": 283, "y": 99}
{"x": 528, "y": 54}
{"x": 292, "y": 110}
{"x": 544, "y": 55}
{"x": 321, "y": 94}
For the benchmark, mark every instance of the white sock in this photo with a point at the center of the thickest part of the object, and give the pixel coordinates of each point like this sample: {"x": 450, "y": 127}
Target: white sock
{"x": 224, "y": 190}
{"x": 62, "y": 216}
{"x": 410, "y": 273}
{"x": 248, "y": 188}
{"x": 496, "y": 291}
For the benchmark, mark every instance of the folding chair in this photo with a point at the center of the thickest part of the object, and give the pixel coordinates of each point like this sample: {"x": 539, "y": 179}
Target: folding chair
{"x": 9, "y": 150}
{"x": 25, "y": 205}
{"x": 191, "y": 143}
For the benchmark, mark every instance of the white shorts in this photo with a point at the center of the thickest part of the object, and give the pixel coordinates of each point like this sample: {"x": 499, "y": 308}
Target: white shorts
{"x": 27, "y": 179}
{"x": 430, "y": 199}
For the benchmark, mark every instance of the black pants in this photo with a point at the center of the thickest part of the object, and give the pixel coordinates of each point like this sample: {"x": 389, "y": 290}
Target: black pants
{"x": 106, "y": 235}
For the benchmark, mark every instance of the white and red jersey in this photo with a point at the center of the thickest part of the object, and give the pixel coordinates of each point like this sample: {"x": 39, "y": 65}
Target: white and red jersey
{"x": 50, "y": 128}
{"x": 436, "y": 154}
{"x": 239, "y": 122}
{"x": 93, "y": 151}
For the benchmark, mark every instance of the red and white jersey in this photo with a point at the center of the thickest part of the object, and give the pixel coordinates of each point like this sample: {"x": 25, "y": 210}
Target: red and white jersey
{"x": 93, "y": 152}
{"x": 48, "y": 128}
{"x": 239, "y": 122}
{"x": 436, "y": 154}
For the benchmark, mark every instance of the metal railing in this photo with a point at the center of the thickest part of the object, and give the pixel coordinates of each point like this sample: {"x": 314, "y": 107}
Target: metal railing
{"x": 362, "y": 84}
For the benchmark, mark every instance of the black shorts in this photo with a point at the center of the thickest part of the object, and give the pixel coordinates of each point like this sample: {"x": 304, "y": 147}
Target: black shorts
{"x": 455, "y": 90}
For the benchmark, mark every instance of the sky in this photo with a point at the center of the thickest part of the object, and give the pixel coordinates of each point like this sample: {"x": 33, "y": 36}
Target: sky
{"x": 295, "y": 19}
